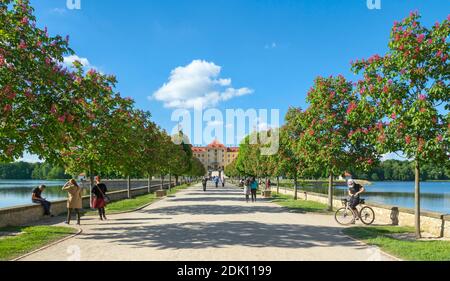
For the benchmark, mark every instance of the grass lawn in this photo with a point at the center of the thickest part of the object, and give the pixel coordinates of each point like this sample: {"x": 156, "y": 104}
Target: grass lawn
{"x": 174, "y": 190}
{"x": 135, "y": 203}
{"x": 30, "y": 239}
{"x": 300, "y": 206}
{"x": 404, "y": 249}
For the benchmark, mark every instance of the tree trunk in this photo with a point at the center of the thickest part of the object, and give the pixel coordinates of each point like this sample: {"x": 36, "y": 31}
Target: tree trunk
{"x": 91, "y": 176}
{"x": 176, "y": 180}
{"x": 170, "y": 182}
{"x": 295, "y": 188}
{"x": 417, "y": 199}
{"x": 149, "y": 183}
{"x": 278, "y": 185}
{"x": 129, "y": 186}
{"x": 162, "y": 182}
{"x": 330, "y": 192}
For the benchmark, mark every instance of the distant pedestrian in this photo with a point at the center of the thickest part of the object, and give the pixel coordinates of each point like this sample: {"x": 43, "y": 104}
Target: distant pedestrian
{"x": 268, "y": 184}
{"x": 74, "y": 201}
{"x": 99, "y": 197}
{"x": 254, "y": 189}
{"x": 204, "y": 183}
{"x": 217, "y": 182}
{"x": 247, "y": 190}
{"x": 36, "y": 198}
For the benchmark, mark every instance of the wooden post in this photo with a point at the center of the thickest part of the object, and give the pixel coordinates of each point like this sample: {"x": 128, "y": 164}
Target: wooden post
{"x": 417, "y": 200}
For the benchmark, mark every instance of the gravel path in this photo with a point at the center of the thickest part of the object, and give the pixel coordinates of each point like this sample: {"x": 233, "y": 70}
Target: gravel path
{"x": 215, "y": 225}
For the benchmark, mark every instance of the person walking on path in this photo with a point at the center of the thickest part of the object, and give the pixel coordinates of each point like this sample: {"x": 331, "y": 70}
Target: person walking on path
{"x": 204, "y": 183}
{"x": 268, "y": 185}
{"x": 217, "y": 182}
{"x": 74, "y": 201}
{"x": 36, "y": 198}
{"x": 99, "y": 197}
{"x": 247, "y": 190}
{"x": 254, "y": 188}
{"x": 223, "y": 182}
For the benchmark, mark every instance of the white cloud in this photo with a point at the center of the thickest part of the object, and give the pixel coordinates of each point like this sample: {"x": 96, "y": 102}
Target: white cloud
{"x": 30, "y": 158}
{"x": 262, "y": 125}
{"x": 197, "y": 84}
{"x": 69, "y": 60}
{"x": 59, "y": 11}
{"x": 394, "y": 156}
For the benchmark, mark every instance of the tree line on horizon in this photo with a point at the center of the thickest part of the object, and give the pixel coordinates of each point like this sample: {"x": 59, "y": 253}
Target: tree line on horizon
{"x": 399, "y": 103}
{"x": 389, "y": 170}
{"x": 72, "y": 117}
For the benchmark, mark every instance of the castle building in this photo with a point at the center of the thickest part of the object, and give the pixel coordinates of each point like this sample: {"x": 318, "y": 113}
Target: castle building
{"x": 216, "y": 156}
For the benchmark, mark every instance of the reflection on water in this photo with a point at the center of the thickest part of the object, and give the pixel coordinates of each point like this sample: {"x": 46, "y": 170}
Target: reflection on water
{"x": 435, "y": 196}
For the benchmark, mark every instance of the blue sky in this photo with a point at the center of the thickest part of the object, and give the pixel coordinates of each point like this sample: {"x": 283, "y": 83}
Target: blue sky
{"x": 274, "y": 49}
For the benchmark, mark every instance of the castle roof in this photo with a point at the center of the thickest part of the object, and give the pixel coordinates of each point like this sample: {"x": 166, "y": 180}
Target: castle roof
{"x": 216, "y": 144}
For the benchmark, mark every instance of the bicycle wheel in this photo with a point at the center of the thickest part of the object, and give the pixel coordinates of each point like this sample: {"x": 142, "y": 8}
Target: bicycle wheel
{"x": 367, "y": 215}
{"x": 344, "y": 216}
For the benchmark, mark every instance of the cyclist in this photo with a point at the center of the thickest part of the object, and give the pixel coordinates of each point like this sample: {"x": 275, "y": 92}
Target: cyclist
{"x": 354, "y": 192}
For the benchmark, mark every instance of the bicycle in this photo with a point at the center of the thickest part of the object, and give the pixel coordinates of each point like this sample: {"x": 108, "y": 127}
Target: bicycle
{"x": 346, "y": 216}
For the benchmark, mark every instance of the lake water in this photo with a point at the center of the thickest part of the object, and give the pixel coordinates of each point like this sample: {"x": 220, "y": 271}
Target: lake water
{"x": 435, "y": 196}
{"x": 18, "y": 192}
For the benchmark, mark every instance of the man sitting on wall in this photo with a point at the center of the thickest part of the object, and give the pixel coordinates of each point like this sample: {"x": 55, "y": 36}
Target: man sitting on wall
{"x": 37, "y": 199}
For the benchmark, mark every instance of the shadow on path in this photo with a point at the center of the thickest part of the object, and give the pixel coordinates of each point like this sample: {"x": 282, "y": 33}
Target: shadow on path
{"x": 214, "y": 210}
{"x": 222, "y": 234}
{"x": 209, "y": 199}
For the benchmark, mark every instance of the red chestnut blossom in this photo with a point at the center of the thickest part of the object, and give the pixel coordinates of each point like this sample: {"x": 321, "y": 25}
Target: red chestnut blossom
{"x": 420, "y": 38}
{"x": 408, "y": 140}
{"x": 7, "y": 108}
{"x": 22, "y": 45}
{"x": 24, "y": 21}
{"x": 53, "y": 109}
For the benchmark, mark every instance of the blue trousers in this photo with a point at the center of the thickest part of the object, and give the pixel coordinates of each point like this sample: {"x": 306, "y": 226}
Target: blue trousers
{"x": 45, "y": 204}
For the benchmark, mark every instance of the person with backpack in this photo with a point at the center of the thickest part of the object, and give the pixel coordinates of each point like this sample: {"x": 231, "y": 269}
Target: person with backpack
{"x": 99, "y": 197}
